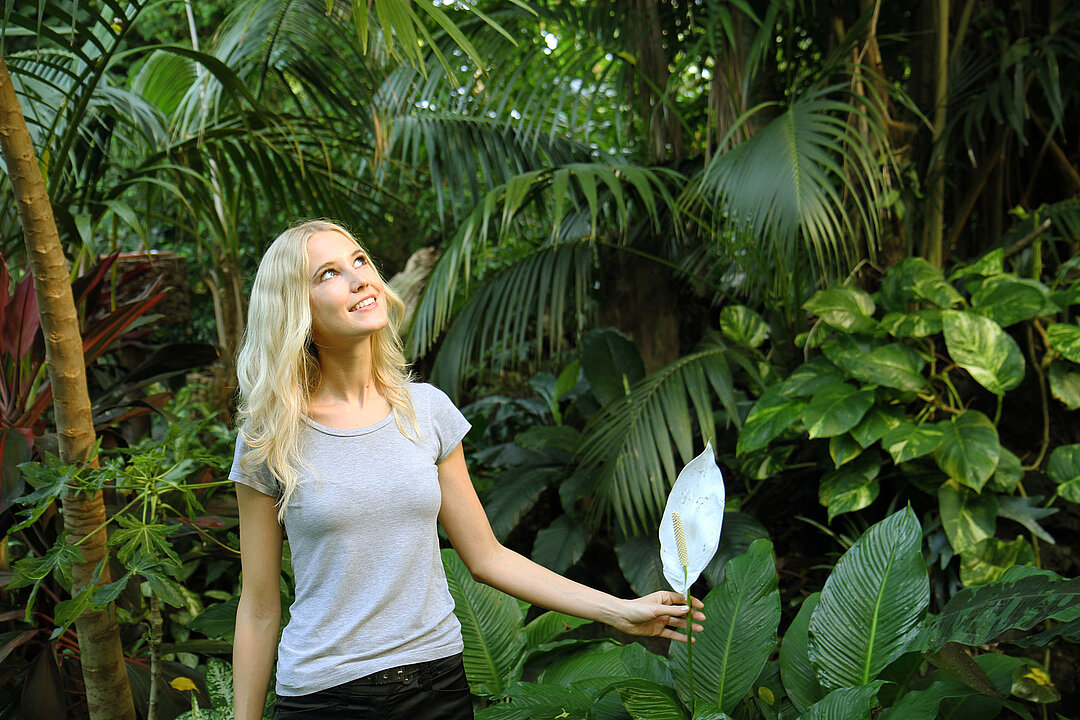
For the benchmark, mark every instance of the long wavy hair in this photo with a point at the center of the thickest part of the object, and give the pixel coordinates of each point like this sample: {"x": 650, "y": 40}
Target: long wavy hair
{"x": 278, "y": 363}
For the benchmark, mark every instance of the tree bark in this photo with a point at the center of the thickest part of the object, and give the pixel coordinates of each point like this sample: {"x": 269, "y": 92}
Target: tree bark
{"x": 935, "y": 220}
{"x": 108, "y": 694}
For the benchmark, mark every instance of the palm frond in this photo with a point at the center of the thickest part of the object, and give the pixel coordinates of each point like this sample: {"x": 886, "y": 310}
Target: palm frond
{"x": 792, "y": 182}
{"x": 612, "y": 196}
{"x": 627, "y": 448}
{"x": 520, "y": 308}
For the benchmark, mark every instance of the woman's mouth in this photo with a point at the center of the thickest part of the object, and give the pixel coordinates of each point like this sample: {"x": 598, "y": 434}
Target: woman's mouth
{"x": 363, "y": 304}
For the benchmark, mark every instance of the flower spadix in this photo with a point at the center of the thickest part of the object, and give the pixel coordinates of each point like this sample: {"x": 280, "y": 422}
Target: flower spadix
{"x": 693, "y": 518}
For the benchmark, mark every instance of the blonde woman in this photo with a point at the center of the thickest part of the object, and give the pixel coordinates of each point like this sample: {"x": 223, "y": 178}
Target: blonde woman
{"x": 358, "y": 464}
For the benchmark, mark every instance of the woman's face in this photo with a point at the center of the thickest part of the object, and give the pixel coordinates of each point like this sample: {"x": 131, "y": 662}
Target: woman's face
{"x": 347, "y": 301}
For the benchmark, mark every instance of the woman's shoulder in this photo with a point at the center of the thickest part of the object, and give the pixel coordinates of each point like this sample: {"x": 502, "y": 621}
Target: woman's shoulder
{"x": 429, "y": 397}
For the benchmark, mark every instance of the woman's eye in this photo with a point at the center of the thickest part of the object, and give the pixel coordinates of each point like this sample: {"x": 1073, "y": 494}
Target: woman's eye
{"x": 360, "y": 261}
{"x": 328, "y": 273}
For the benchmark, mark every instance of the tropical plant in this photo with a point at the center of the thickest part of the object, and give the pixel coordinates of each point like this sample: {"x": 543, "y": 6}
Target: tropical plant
{"x": 915, "y": 381}
{"x": 853, "y": 648}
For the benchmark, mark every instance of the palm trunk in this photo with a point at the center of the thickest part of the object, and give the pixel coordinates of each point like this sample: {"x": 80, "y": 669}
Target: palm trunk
{"x": 108, "y": 694}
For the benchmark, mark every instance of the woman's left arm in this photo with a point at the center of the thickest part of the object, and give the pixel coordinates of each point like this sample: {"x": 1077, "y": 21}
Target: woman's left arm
{"x": 467, "y": 526}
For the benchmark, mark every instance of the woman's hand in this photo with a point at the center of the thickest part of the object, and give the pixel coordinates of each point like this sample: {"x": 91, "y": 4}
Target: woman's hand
{"x": 663, "y": 613}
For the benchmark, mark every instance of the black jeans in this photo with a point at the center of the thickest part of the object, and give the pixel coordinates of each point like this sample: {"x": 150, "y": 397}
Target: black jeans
{"x": 435, "y": 690}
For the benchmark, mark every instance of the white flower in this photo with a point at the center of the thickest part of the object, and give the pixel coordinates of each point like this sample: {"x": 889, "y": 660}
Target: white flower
{"x": 698, "y": 498}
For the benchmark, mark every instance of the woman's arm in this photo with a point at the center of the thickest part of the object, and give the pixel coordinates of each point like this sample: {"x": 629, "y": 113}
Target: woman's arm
{"x": 467, "y": 526}
{"x": 258, "y": 615}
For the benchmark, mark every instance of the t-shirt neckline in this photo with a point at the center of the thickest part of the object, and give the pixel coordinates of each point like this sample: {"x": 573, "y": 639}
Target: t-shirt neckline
{"x": 349, "y": 433}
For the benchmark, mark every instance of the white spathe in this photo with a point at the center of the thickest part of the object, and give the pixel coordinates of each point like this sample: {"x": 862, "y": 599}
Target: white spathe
{"x": 698, "y": 496}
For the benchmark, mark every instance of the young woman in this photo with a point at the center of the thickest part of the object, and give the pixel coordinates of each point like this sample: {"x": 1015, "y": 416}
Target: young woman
{"x": 358, "y": 464}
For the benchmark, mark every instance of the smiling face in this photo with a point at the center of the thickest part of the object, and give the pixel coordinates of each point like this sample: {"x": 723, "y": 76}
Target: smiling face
{"x": 347, "y": 299}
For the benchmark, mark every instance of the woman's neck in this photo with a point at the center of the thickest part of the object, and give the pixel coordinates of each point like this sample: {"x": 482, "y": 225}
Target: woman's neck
{"x": 346, "y": 376}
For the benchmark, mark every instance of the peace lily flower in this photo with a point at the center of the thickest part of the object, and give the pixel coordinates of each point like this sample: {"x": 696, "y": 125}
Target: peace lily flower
{"x": 693, "y": 517}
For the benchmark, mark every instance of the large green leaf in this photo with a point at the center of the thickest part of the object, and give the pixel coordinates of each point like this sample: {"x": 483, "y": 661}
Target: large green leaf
{"x": 1007, "y": 299}
{"x": 989, "y": 559}
{"x": 810, "y": 377}
{"x": 771, "y": 415}
{"x": 871, "y": 604}
{"x": 549, "y": 626}
{"x": 531, "y": 700}
{"x": 914, "y": 280}
{"x": 491, "y": 626}
{"x": 835, "y": 409}
{"x": 969, "y": 449}
{"x": 743, "y": 612}
{"x": 851, "y": 487}
{"x": 908, "y": 441}
{"x": 639, "y": 559}
{"x": 1065, "y": 383}
{"x": 877, "y": 421}
{"x": 980, "y": 346}
{"x": 967, "y": 516}
{"x": 561, "y": 544}
{"x": 892, "y": 365}
{"x": 611, "y": 363}
{"x": 848, "y": 703}
{"x": 846, "y": 309}
{"x": 648, "y": 700}
{"x": 743, "y": 325}
{"x": 923, "y": 704}
{"x": 603, "y": 659}
{"x": 1019, "y": 600}
{"x": 916, "y": 323}
{"x": 800, "y": 678}
{"x": 1065, "y": 339}
{"x": 1064, "y": 469}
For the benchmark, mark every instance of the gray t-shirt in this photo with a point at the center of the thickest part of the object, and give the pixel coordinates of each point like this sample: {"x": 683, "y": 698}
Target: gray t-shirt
{"x": 370, "y": 589}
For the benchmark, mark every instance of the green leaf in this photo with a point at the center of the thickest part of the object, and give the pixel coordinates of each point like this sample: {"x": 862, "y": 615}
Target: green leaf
{"x": 490, "y": 625}
{"x": 835, "y": 409}
{"x": 549, "y": 626}
{"x": 648, "y": 700}
{"x": 762, "y": 464}
{"x": 846, "y": 309}
{"x": 561, "y": 544}
{"x": 843, "y": 449}
{"x": 981, "y": 347}
{"x": 1019, "y": 600}
{"x": 603, "y": 659}
{"x": 849, "y": 703}
{"x": 529, "y": 700}
{"x": 1064, "y": 469}
{"x": 992, "y": 263}
{"x": 914, "y": 280}
{"x": 219, "y": 682}
{"x": 852, "y": 487}
{"x": 1065, "y": 383}
{"x": 913, "y": 324}
{"x": 969, "y": 449}
{"x": 908, "y": 441}
{"x": 1027, "y": 512}
{"x": 1008, "y": 473}
{"x": 877, "y": 421}
{"x": 639, "y": 559}
{"x": 1065, "y": 339}
{"x": 217, "y": 621}
{"x": 743, "y": 325}
{"x": 893, "y": 365}
{"x": 739, "y": 533}
{"x": 810, "y": 377}
{"x": 967, "y": 516}
{"x": 771, "y": 415}
{"x": 743, "y": 612}
{"x": 924, "y": 704}
{"x": 871, "y": 604}
{"x": 1007, "y": 299}
{"x": 611, "y": 363}
{"x": 988, "y": 560}
{"x": 800, "y": 678}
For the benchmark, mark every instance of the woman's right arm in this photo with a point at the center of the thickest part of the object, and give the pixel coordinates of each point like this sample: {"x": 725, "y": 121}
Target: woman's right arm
{"x": 258, "y": 617}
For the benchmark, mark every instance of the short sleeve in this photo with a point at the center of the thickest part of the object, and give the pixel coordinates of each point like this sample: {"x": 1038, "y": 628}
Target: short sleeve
{"x": 447, "y": 422}
{"x": 259, "y": 478}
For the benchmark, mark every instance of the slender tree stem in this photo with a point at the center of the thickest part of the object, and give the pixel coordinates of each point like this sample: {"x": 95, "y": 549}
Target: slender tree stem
{"x": 690, "y": 640}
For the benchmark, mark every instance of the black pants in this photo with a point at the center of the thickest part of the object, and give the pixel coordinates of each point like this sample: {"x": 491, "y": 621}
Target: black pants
{"x": 435, "y": 690}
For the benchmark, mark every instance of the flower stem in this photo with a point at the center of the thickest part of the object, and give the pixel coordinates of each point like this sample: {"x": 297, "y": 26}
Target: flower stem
{"x": 690, "y": 640}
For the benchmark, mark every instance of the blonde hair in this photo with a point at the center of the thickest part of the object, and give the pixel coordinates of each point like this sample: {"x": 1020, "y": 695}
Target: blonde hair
{"x": 278, "y": 367}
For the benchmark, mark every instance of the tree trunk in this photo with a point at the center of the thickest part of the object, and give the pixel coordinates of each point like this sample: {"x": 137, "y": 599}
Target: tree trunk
{"x": 108, "y": 694}
{"x": 935, "y": 213}
{"x": 662, "y": 125}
